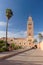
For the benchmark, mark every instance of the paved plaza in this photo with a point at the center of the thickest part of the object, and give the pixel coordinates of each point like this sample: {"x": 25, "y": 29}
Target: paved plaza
{"x": 31, "y": 57}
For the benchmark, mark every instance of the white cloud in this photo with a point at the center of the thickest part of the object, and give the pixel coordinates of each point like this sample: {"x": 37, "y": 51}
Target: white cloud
{"x": 21, "y": 34}
{"x": 3, "y": 34}
{"x": 2, "y": 23}
{"x": 11, "y": 34}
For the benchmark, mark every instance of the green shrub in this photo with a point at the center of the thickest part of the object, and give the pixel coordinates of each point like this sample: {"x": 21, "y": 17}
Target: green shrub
{"x": 20, "y": 47}
{"x": 12, "y": 45}
{"x": 0, "y": 49}
{"x": 17, "y": 47}
{"x": 3, "y": 49}
{"x": 2, "y": 41}
{"x": 2, "y": 44}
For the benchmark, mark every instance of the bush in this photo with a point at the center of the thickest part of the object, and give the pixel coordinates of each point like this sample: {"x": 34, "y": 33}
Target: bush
{"x": 20, "y": 47}
{"x": 12, "y": 45}
{"x": 2, "y": 46}
{"x": 3, "y": 49}
{"x": 2, "y": 41}
{"x": 17, "y": 47}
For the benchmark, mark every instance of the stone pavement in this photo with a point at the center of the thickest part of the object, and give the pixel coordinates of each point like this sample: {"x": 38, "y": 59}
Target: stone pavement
{"x": 30, "y": 57}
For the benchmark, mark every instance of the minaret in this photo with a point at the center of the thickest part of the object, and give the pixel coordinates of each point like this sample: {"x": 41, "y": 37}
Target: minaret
{"x": 30, "y": 31}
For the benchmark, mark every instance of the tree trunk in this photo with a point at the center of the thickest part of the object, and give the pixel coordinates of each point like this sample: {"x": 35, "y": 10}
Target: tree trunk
{"x": 6, "y": 31}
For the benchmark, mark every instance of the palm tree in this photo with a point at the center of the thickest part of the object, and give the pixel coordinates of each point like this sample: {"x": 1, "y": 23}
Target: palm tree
{"x": 40, "y": 36}
{"x": 9, "y": 14}
{"x": 35, "y": 41}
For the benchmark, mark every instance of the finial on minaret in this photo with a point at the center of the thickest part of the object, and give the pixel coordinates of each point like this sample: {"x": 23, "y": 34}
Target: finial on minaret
{"x": 29, "y": 19}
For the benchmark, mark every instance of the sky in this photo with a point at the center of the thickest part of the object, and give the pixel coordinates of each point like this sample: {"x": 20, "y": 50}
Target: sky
{"x": 22, "y": 9}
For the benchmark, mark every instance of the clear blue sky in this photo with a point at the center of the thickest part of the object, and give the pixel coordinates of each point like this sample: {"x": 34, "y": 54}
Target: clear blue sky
{"x": 22, "y": 9}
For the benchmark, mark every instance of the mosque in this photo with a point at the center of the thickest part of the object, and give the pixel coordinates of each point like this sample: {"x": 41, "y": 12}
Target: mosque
{"x": 28, "y": 41}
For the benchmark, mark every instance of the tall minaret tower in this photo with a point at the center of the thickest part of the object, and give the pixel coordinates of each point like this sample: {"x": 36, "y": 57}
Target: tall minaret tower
{"x": 30, "y": 31}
